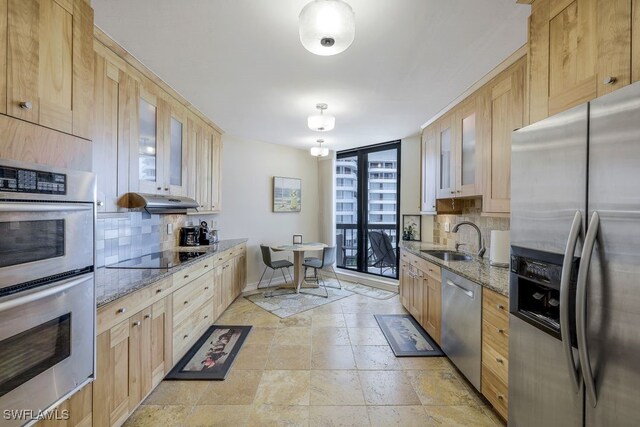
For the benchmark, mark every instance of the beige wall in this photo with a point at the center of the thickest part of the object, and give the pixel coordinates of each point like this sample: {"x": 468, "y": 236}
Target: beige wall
{"x": 410, "y": 185}
{"x": 247, "y": 174}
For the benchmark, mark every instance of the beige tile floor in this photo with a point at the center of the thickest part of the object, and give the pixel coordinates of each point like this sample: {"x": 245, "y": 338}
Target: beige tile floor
{"x": 330, "y": 366}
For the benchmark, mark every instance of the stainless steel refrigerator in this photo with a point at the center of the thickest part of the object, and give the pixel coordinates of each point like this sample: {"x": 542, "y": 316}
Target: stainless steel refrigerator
{"x": 574, "y": 345}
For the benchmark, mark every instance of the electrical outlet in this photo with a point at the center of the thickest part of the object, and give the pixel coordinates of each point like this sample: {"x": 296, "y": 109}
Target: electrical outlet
{"x": 169, "y": 228}
{"x": 447, "y": 227}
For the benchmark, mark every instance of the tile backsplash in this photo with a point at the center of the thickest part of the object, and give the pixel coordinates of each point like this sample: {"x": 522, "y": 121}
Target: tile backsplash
{"x": 470, "y": 212}
{"x": 127, "y": 235}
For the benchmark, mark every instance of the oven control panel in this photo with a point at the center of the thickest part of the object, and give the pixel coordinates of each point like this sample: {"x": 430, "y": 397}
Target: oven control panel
{"x": 32, "y": 181}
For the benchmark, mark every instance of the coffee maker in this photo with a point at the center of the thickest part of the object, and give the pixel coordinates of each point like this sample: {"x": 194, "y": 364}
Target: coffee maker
{"x": 189, "y": 236}
{"x": 205, "y": 237}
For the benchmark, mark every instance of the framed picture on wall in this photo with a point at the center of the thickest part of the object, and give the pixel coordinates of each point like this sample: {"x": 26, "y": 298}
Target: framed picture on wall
{"x": 287, "y": 194}
{"x": 411, "y": 226}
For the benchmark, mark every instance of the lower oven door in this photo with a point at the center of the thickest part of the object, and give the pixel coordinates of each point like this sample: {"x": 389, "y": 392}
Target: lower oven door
{"x": 46, "y": 346}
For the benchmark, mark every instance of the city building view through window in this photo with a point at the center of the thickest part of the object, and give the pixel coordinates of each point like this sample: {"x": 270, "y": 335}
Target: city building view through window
{"x": 367, "y": 207}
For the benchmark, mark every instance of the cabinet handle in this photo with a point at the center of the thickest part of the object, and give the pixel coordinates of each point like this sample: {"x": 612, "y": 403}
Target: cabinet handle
{"x": 159, "y": 188}
{"x": 453, "y": 192}
{"x": 219, "y": 259}
{"x": 609, "y": 80}
{"x": 500, "y": 397}
{"x": 100, "y": 203}
{"x": 158, "y": 291}
{"x": 185, "y": 337}
{"x": 458, "y": 191}
{"x": 186, "y": 302}
{"x": 121, "y": 310}
{"x": 499, "y": 360}
{"x": 166, "y": 188}
{"x": 206, "y": 316}
{"x": 206, "y": 288}
{"x": 500, "y": 306}
{"x": 206, "y": 266}
{"x": 26, "y": 105}
{"x": 186, "y": 276}
{"x": 146, "y": 316}
{"x": 500, "y": 331}
{"x": 433, "y": 206}
{"x": 136, "y": 323}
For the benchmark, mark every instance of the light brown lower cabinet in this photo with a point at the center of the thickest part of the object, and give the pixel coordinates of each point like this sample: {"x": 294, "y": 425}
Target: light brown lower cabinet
{"x": 432, "y": 306}
{"x": 79, "y": 410}
{"x": 421, "y": 293}
{"x": 495, "y": 350}
{"x": 135, "y": 351}
{"x": 125, "y": 371}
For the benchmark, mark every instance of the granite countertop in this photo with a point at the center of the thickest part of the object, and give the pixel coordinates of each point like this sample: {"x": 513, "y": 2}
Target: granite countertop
{"x": 114, "y": 283}
{"x": 478, "y": 270}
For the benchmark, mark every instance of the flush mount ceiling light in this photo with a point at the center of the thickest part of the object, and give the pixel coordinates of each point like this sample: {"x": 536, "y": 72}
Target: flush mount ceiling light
{"x": 320, "y": 122}
{"x": 327, "y": 27}
{"x": 319, "y": 151}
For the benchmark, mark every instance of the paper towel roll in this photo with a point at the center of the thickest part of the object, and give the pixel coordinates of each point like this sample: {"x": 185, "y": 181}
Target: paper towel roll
{"x": 499, "y": 252}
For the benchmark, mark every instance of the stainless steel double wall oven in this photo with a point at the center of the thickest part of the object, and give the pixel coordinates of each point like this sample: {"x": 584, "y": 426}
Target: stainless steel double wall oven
{"x": 47, "y": 301}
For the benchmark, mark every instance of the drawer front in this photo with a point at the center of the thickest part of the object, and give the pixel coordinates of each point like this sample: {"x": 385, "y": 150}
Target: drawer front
{"x": 428, "y": 268}
{"x": 192, "y": 272}
{"x": 495, "y": 392}
{"x": 495, "y": 309}
{"x": 191, "y": 296}
{"x": 496, "y": 337}
{"x": 222, "y": 257}
{"x": 187, "y": 333}
{"x": 113, "y": 313}
{"x": 496, "y": 362}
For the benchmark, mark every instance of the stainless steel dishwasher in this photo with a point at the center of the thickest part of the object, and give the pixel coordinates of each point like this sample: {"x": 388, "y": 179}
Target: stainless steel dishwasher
{"x": 462, "y": 324}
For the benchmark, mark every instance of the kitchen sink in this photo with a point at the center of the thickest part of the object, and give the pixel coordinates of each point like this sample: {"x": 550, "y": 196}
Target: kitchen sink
{"x": 448, "y": 255}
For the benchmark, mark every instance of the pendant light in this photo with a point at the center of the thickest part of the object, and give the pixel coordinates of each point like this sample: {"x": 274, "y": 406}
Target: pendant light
{"x": 319, "y": 151}
{"x": 321, "y": 122}
{"x": 327, "y": 27}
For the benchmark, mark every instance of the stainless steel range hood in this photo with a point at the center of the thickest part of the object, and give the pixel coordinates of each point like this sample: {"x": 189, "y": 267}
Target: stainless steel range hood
{"x": 161, "y": 204}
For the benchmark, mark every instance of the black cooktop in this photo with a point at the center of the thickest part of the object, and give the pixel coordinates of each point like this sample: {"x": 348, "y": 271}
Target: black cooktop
{"x": 158, "y": 260}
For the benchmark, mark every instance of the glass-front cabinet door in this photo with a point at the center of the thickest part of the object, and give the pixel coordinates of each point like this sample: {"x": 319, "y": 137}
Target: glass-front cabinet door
{"x": 468, "y": 176}
{"x": 176, "y": 155}
{"x": 445, "y": 171}
{"x": 148, "y": 153}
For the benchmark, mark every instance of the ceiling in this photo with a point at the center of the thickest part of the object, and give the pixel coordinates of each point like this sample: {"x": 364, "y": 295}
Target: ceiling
{"x": 242, "y": 64}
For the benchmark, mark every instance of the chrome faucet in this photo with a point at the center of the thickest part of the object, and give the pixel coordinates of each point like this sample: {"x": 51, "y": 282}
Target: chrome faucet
{"x": 481, "y": 248}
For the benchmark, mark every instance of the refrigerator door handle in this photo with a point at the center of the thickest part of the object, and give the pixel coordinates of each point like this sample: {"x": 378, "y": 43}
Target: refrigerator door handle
{"x": 567, "y": 268}
{"x": 581, "y": 308}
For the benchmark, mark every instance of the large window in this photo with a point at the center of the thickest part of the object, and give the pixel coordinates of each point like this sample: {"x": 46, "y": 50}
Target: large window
{"x": 367, "y": 209}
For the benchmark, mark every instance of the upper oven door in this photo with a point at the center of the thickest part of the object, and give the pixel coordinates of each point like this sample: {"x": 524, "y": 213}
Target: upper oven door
{"x": 42, "y": 239}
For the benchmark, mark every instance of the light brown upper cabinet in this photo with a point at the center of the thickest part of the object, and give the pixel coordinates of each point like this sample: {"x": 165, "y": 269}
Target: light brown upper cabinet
{"x": 635, "y": 40}
{"x": 115, "y": 105}
{"x": 578, "y": 50}
{"x": 49, "y": 64}
{"x": 458, "y": 154}
{"x": 506, "y": 94}
{"x": 147, "y": 151}
{"x": 445, "y": 157}
{"x": 176, "y": 157}
{"x": 216, "y": 172}
{"x": 468, "y": 153}
{"x": 428, "y": 187}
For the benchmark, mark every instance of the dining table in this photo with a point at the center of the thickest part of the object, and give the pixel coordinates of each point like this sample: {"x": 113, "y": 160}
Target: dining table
{"x": 298, "y": 250}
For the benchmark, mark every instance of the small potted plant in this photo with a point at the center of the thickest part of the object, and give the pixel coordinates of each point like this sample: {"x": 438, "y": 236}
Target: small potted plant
{"x": 408, "y": 232}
